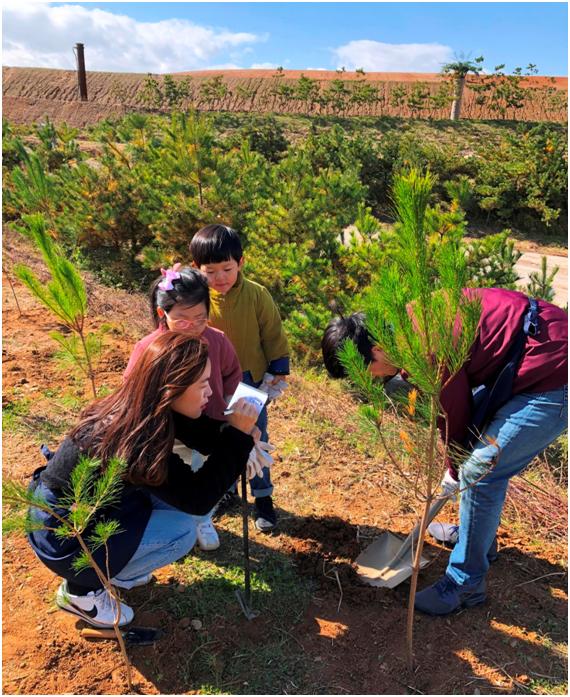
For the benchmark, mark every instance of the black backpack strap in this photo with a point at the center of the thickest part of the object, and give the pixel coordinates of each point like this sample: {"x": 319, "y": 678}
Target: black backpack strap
{"x": 488, "y": 399}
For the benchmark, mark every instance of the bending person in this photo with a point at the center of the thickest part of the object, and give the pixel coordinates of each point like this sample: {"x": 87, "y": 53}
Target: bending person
{"x": 161, "y": 400}
{"x": 532, "y": 417}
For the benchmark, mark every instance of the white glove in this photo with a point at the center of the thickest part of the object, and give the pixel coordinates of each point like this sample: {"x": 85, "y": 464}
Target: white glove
{"x": 259, "y": 458}
{"x": 271, "y": 389}
{"x": 449, "y": 486}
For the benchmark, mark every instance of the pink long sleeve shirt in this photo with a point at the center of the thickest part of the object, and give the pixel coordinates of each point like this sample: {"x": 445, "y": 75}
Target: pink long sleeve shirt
{"x": 226, "y": 370}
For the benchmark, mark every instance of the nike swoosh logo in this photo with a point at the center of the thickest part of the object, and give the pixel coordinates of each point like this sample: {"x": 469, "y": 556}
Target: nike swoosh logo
{"x": 90, "y": 613}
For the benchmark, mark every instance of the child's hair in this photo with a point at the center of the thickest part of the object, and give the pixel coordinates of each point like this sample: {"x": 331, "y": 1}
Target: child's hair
{"x": 190, "y": 289}
{"x": 214, "y": 244}
{"x": 136, "y": 422}
{"x": 337, "y": 332}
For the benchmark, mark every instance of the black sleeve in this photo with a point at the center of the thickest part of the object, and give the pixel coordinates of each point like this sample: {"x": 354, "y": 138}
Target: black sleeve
{"x": 200, "y": 434}
{"x": 57, "y": 473}
{"x": 198, "y": 492}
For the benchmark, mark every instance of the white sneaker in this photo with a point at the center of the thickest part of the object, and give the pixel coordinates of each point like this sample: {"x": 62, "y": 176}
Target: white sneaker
{"x": 97, "y": 608}
{"x": 208, "y": 539}
{"x": 133, "y": 583}
{"x": 444, "y": 532}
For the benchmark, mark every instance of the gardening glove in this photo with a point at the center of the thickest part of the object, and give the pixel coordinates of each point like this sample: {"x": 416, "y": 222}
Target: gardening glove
{"x": 273, "y": 387}
{"x": 449, "y": 486}
{"x": 259, "y": 458}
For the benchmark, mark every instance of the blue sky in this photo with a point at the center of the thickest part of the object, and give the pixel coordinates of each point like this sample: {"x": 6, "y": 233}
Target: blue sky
{"x": 166, "y": 37}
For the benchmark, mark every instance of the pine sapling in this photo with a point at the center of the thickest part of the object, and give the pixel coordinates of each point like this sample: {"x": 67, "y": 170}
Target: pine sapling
{"x": 91, "y": 489}
{"x": 64, "y": 295}
{"x": 540, "y": 285}
{"x": 418, "y": 314}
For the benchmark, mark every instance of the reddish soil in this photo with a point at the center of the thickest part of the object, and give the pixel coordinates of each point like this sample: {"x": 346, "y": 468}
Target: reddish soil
{"x": 30, "y": 94}
{"x": 332, "y": 500}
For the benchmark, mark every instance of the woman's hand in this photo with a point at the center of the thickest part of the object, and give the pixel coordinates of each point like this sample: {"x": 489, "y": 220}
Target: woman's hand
{"x": 243, "y": 416}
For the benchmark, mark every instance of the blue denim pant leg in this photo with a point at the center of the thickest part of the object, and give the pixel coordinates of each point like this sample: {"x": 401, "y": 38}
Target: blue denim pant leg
{"x": 169, "y": 535}
{"x": 520, "y": 430}
{"x": 260, "y": 486}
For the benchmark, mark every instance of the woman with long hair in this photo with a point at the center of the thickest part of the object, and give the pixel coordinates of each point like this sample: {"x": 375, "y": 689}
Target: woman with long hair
{"x": 161, "y": 400}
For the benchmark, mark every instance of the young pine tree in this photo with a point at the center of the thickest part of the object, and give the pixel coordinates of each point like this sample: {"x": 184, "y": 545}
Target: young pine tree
{"x": 412, "y": 313}
{"x": 540, "y": 285}
{"x": 64, "y": 295}
{"x": 91, "y": 489}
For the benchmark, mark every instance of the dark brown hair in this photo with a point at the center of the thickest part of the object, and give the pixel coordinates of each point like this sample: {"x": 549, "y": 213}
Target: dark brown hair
{"x": 136, "y": 421}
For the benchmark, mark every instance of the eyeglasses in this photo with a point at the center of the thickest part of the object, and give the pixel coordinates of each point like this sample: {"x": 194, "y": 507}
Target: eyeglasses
{"x": 186, "y": 323}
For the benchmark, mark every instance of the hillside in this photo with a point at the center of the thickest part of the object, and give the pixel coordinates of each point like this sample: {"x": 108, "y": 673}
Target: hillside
{"x": 320, "y": 631}
{"x": 30, "y": 94}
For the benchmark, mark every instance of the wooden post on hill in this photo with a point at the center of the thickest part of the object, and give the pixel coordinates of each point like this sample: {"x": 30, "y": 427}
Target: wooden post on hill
{"x": 81, "y": 75}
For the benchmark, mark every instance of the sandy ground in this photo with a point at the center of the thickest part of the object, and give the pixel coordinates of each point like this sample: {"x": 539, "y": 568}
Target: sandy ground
{"x": 531, "y": 262}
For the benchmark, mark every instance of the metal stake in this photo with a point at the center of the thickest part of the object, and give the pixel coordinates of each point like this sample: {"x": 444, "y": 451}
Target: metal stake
{"x": 244, "y": 598}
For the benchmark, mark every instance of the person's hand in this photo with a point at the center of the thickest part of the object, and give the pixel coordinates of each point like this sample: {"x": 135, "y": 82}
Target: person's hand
{"x": 256, "y": 433}
{"x": 243, "y": 416}
{"x": 449, "y": 486}
{"x": 259, "y": 458}
{"x": 273, "y": 385}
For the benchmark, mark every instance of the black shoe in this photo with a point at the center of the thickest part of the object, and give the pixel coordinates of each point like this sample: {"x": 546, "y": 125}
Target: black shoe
{"x": 229, "y": 501}
{"x": 265, "y": 515}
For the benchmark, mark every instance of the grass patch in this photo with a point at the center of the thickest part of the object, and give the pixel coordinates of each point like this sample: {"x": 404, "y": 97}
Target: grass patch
{"x": 13, "y": 412}
{"x": 274, "y": 665}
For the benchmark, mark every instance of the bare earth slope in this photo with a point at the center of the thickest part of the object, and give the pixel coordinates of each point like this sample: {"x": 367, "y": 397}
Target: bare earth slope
{"x": 30, "y": 94}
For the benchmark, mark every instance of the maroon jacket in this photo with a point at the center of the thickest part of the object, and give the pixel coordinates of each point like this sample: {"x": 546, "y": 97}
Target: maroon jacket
{"x": 543, "y": 366}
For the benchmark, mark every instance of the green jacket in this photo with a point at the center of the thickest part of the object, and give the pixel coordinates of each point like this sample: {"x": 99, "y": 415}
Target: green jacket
{"x": 250, "y": 319}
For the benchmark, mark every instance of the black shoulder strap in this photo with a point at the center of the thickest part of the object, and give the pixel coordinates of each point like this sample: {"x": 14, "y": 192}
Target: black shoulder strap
{"x": 490, "y": 398}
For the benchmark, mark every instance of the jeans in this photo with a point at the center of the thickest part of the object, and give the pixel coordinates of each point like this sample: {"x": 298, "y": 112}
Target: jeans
{"x": 519, "y": 431}
{"x": 169, "y": 535}
{"x": 260, "y": 486}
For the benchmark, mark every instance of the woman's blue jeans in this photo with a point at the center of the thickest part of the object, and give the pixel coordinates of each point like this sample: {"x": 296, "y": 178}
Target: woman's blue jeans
{"x": 169, "y": 535}
{"x": 520, "y": 430}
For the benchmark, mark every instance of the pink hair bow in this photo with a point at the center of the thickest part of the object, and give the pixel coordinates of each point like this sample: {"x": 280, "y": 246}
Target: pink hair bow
{"x": 169, "y": 276}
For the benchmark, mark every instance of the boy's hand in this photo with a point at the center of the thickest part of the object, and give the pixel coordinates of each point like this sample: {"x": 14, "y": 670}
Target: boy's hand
{"x": 273, "y": 385}
{"x": 258, "y": 459}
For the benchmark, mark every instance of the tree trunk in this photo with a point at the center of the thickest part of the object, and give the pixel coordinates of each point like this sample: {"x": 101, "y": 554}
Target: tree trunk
{"x": 457, "y": 97}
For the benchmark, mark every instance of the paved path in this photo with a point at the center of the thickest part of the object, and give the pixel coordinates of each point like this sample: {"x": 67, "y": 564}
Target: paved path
{"x": 530, "y": 261}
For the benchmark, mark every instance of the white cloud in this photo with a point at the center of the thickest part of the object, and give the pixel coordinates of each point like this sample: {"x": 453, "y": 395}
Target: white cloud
{"x": 382, "y": 57}
{"x": 40, "y": 35}
{"x": 263, "y": 66}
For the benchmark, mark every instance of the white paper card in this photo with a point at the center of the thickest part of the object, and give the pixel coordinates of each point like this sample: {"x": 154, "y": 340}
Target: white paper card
{"x": 250, "y": 394}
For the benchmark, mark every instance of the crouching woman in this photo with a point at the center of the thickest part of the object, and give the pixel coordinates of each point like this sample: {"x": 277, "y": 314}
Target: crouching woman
{"x": 161, "y": 400}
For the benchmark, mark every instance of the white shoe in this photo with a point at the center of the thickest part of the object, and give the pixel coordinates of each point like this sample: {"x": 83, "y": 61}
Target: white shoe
{"x": 208, "y": 539}
{"x": 133, "y": 583}
{"x": 444, "y": 532}
{"x": 97, "y": 608}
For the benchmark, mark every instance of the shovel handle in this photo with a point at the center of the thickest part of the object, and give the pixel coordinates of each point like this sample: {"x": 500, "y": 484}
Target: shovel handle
{"x": 412, "y": 538}
{"x": 91, "y": 633}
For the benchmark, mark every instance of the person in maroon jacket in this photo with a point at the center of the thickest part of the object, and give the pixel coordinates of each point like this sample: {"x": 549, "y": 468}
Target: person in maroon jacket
{"x": 532, "y": 417}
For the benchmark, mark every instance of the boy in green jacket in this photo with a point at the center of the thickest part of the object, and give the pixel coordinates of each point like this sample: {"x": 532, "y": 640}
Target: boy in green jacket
{"x": 245, "y": 312}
